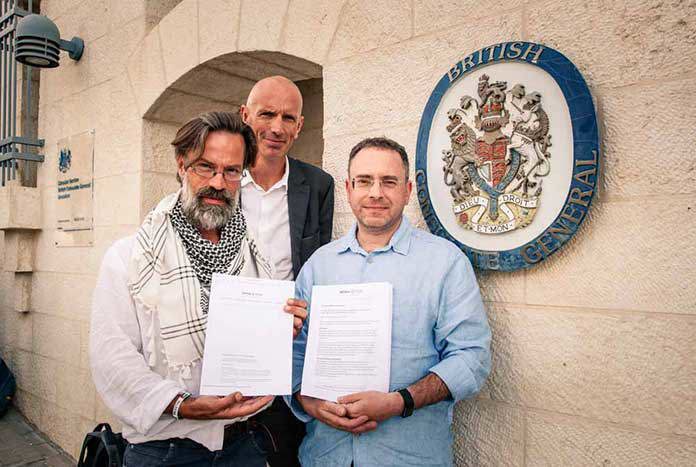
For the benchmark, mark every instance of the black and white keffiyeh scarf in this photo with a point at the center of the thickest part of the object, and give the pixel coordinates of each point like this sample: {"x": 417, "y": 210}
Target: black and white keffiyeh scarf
{"x": 170, "y": 272}
{"x": 207, "y": 257}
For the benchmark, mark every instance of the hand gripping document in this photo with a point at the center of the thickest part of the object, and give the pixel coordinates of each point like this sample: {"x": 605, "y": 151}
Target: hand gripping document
{"x": 248, "y": 342}
{"x": 349, "y": 340}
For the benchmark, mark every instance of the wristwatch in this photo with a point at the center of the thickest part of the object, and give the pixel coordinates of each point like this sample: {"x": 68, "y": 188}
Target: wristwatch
{"x": 408, "y": 403}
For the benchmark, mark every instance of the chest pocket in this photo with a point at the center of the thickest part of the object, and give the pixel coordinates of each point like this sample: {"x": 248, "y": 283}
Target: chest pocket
{"x": 412, "y": 323}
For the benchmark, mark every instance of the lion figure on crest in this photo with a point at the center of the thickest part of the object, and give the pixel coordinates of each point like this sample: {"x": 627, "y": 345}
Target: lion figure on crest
{"x": 458, "y": 158}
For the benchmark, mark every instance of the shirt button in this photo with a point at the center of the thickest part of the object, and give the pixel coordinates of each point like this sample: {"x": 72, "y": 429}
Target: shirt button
{"x": 369, "y": 259}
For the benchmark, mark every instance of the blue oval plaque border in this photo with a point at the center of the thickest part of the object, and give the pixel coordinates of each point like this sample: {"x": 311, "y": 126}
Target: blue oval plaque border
{"x": 585, "y": 153}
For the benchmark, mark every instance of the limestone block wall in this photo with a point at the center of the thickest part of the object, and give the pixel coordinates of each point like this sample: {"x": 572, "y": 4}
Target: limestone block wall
{"x": 593, "y": 349}
{"x": 309, "y": 147}
{"x": 47, "y": 347}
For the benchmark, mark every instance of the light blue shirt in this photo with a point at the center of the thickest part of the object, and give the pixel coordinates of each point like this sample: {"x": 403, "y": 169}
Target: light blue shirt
{"x": 438, "y": 325}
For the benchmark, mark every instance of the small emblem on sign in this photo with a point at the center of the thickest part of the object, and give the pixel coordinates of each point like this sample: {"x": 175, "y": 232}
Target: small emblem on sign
{"x": 64, "y": 160}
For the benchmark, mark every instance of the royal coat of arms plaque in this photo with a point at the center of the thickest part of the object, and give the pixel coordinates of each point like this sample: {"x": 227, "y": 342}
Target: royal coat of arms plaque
{"x": 508, "y": 155}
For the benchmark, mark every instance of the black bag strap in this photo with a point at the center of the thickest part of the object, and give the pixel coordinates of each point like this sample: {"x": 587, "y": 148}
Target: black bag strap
{"x": 81, "y": 460}
{"x": 103, "y": 430}
{"x": 114, "y": 455}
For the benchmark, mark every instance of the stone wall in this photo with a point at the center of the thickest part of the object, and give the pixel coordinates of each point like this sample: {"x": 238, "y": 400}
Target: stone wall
{"x": 47, "y": 347}
{"x": 310, "y": 145}
{"x": 593, "y": 349}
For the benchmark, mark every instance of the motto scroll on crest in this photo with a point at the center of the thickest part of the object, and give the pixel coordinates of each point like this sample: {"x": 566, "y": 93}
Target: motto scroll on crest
{"x": 498, "y": 157}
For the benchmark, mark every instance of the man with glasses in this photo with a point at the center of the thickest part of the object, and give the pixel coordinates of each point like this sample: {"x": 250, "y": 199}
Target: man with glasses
{"x": 151, "y": 302}
{"x": 288, "y": 205}
{"x": 440, "y": 334}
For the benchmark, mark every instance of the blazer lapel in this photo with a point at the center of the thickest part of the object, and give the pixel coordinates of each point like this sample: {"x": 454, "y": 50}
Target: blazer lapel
{"x": 298, "y": 199}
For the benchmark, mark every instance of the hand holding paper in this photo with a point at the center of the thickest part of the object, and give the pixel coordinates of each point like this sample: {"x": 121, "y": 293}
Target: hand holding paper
{"x": 248, "y": 346}
{"x": 298, "y": 308}
{"x": 349, "y": 340}
{"x": 214, "y": 408}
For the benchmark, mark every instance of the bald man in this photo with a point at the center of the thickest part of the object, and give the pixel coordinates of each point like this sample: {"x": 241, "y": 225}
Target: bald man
{"x": 288, "y": 205}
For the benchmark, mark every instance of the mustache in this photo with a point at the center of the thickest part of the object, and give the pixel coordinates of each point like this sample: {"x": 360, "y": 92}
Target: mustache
{"x": 212, "y": 193}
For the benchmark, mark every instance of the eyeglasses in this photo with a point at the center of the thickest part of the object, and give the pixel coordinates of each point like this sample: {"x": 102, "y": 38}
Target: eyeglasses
{"x": 365, "y": 183}
{"x": 231, "y": 174}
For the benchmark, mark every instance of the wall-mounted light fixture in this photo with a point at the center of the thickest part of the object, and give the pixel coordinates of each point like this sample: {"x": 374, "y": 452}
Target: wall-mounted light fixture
{"x": 38, "y": 43}
{"x": 34, "y": 41}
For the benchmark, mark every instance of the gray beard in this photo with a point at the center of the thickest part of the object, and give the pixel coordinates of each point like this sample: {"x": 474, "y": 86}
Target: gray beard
{"x": 207, "y": 216}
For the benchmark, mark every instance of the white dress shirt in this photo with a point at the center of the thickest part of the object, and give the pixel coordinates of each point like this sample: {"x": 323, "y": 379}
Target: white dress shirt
{"x": 268, "y": 221}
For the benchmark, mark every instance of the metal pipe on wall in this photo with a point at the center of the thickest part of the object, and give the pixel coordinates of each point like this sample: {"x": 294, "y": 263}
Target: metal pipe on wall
{"x": 3, "y": 77}
{"x": 13, "y": 108}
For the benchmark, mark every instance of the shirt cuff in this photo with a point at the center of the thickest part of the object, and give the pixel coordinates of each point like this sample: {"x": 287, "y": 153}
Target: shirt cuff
{"x": 153, "y": 405}
{"x": 458, "y": 378}
{"x": 296, "y": 409}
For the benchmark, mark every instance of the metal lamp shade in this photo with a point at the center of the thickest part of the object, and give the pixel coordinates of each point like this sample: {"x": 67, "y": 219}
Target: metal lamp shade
{"x": 38, "y": 43}
{"x": 42, "y": 53}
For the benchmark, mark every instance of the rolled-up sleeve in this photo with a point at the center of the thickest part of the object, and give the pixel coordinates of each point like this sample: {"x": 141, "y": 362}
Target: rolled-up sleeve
{"x": 127, "y": 385}
{"x": 462, "y": 333}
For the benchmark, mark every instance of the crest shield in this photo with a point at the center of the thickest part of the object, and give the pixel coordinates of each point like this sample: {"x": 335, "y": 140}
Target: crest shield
{"x": 491, "y": 159}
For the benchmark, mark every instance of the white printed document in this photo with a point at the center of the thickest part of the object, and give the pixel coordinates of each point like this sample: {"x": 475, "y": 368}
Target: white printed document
{"x": 248, "y": 342}
{"x": 349, "y": 340}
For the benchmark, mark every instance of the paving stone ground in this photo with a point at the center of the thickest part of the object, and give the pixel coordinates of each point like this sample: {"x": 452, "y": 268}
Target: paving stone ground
{"x": 23, "y": 445}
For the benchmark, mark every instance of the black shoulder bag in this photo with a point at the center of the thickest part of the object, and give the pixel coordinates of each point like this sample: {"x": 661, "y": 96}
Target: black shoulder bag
{"x": 102, "y": 448}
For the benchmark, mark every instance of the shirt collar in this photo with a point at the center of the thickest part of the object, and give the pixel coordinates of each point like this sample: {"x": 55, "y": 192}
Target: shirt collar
{"x": 400, "y": 241}
{"x": 283, "y": 182}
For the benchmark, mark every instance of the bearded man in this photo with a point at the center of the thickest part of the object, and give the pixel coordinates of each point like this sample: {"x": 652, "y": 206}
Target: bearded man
{"x": 151, "y": 302}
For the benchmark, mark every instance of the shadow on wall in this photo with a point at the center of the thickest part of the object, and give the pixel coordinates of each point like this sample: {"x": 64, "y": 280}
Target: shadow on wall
{"x": 155, "y": 10}
{"x": 223, "y": 83}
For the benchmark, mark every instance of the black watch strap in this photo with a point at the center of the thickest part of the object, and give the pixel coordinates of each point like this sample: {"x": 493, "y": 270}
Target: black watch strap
{"x": 408, "y": 403}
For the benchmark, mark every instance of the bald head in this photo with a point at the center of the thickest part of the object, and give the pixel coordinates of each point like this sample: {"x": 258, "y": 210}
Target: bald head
{"x": 274, "y": 111}
{"x": 274, "y": 85}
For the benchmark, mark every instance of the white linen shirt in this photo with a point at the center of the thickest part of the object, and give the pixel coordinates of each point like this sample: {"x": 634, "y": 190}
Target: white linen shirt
{"x": 268, "y": 221}
{"x": 120, "y": 337}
